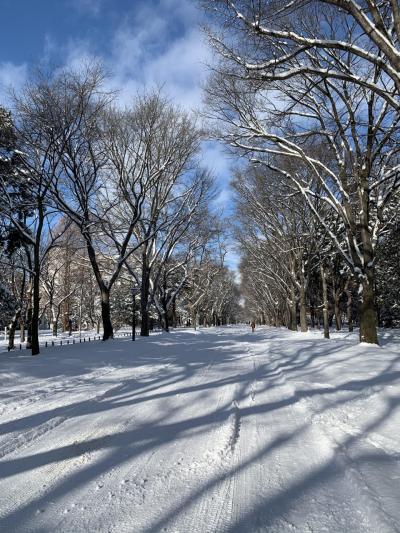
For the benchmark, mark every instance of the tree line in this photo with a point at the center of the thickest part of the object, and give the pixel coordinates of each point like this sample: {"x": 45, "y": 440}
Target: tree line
{"x": 97, "y": 200}
{"x": 307, "y": 92}
{"x": 304, "y": 94}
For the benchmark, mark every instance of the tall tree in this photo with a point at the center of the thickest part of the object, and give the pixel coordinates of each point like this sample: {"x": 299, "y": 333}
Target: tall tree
{"x": 25, "y": 201}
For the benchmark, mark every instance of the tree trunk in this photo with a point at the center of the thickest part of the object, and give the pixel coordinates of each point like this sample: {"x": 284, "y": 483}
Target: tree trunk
{"x": 174, "y": 317}
{"x": 54, "y": 328}
{"x": 29, "y": 318}
{"x": 144, "y": 298}
{"x": 368, "y": 318}
{"x": 350, "y": 313}
{"x": 325, "y": 304}
{"x": 336, "y": 301}
{"x": 108, "y": 332}
{"x": 13, "y": 327}
{"x": 35, "y": 310}
{"x": 349, "y": 309}
{"x": 22, "y": 331}
{"x": 194, "y": 319}
{"x": 293, "y": 312}
{"x": 65, "y": 321}
{"x": 144, "y": 314}
{"x": 312, "y": 315}
{"x": 338, "y": 319}
{"x": 303, "y": 309}
{"x": 318, "y": 318}
{"x": 166, "y": 322}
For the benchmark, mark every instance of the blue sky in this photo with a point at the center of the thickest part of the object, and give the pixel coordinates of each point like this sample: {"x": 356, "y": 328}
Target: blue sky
{"x": 141, "y": 44}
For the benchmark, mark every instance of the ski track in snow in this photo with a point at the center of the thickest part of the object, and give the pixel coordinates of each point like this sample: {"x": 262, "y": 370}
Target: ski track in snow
{"x": 218, "y": 431}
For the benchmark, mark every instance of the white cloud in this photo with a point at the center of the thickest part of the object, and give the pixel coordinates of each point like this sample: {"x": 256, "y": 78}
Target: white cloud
{"x": 232, "y": 261}
{"x": 220, "y": 163}
{"x": 78, "y": 53}
{"x": 12, "y": 77}
{"x": 146, "y": 53}
{"x": 223, "y": 199}
{"x": 92, "y": 7}
{"x": 158, "y": 45}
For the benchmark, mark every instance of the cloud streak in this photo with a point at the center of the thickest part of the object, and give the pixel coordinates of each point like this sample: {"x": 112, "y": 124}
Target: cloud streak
{"x": 12, "y": 78}
{"x": 156, "y": 46}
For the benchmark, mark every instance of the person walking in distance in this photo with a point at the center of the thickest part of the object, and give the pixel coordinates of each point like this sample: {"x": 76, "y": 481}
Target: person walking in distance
{"x": 253, "y": 326}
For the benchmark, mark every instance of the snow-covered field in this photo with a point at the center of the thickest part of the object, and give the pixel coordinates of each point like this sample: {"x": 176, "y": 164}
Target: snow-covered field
{"x": 215, "y": 431}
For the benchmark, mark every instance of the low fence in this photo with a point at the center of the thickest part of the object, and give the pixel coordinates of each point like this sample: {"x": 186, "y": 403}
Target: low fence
{"x": 64, "y": 341}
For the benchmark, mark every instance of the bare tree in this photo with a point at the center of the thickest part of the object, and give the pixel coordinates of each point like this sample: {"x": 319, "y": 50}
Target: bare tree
{"x": 173, "y": 197}
{"x": 184, "y": 239}
{"x": 25, "y": 199}
{"x": 337, "y": 139}
{"x": 287, "y": 36}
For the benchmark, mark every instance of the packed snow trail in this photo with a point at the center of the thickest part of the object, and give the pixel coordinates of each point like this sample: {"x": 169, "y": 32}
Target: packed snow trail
{"x": 218, "y": 430}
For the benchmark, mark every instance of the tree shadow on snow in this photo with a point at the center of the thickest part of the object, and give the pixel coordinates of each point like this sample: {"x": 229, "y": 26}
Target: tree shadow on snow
{"x": 188, "y": 357}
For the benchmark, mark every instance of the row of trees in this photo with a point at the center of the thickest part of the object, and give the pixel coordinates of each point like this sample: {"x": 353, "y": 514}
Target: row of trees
{"x": 291, "y": 273}
{"x": 309, "y": 93}
{"x": 305, "y": 92}
{"x": 96, "y": 199}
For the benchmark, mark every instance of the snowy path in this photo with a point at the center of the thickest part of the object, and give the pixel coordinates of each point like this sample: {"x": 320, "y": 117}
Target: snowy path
{"x": 219, "y": 431}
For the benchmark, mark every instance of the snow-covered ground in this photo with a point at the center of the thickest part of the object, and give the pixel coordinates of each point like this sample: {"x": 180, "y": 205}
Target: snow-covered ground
{"x": 215, "y": 431}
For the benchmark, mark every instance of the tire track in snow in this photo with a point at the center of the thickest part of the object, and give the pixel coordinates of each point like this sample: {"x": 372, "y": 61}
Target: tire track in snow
{"x": 125, "y": 487}
{"x": 214, "y": 505}
{"x": 346, "y": 440}
{"x": 182, "y": 472}
{"x": 27, "y": 438}
{"x": 328, "y": 426}
{"x": 77, "y": 453}
{"x": 359, "y": 489}
{"x": 30, "y": 399}
{"x": 235, "y": 427}
{"x": 217, "y": 504}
